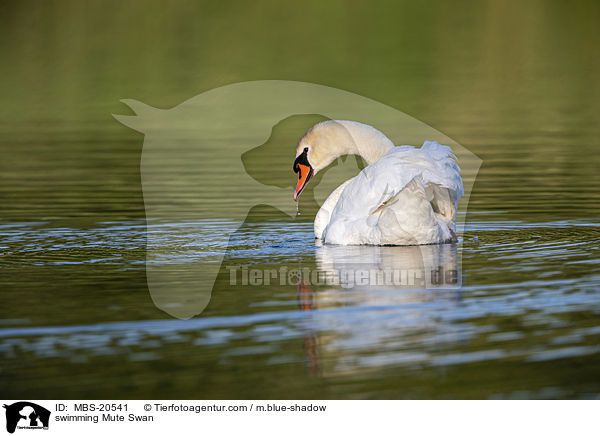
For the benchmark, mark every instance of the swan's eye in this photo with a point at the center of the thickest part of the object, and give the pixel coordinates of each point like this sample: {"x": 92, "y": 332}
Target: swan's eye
{"x": 301, "y": 159}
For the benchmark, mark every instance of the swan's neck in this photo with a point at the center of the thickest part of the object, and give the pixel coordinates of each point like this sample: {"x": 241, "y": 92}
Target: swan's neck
{"x": 351, "y": 137}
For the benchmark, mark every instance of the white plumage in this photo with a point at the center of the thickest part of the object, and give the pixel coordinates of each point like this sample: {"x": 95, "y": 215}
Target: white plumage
{"x": 405, "y": 196}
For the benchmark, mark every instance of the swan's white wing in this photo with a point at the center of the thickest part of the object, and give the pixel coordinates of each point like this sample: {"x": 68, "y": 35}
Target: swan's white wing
{"x": 407, "y": 197}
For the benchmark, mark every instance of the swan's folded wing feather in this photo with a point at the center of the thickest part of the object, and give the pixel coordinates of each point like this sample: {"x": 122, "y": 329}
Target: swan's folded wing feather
{"x": 379, "y": 188}
{"x": 379, "y": 183}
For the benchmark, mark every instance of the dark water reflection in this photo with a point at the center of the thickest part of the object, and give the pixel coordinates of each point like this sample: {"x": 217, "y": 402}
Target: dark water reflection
{"x": 529, "y": 307}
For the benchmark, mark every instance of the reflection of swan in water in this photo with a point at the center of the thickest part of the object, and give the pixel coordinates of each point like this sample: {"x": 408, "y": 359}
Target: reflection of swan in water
{"x": 311, "y": 348}
{"x": 389, "y": 267}
{"x": 392, "y": 318}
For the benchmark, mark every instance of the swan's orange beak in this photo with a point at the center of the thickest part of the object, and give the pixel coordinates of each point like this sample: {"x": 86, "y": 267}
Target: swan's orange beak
{"x": 304, "y": 170}
{"x": 305, "y": 173}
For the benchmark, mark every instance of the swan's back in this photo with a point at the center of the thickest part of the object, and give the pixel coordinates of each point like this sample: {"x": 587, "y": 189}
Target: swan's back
{"x": 407, "y": 197}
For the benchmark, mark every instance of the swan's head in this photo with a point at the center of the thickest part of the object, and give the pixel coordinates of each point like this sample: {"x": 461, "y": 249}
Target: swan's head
{"x": 320, "y": 146}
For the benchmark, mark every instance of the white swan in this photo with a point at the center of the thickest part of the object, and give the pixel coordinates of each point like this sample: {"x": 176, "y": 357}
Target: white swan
{"x": 405, "y": 196}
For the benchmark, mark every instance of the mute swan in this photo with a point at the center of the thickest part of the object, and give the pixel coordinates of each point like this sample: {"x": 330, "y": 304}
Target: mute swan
{"x": 405, "y": 196}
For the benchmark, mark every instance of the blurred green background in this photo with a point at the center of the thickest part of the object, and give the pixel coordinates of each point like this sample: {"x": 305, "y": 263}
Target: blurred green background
{"x": 509, "y": 80}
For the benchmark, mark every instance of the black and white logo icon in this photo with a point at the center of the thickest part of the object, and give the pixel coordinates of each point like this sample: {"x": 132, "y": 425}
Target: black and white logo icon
{"x": 26, "y": 415}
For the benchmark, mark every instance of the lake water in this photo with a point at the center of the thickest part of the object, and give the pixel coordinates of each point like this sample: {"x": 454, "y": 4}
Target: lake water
{"x": 77, "y": 320}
